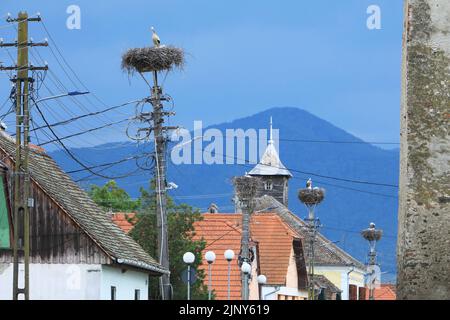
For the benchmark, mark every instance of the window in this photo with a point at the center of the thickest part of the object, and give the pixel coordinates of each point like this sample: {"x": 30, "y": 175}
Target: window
{"x": 137, "y": 294}
{"x": 113, "y": 293}
{"x": 268, "y": 185}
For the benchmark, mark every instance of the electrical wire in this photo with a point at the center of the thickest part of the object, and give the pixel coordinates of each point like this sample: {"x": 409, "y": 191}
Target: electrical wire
{"x": 68, "y": 151}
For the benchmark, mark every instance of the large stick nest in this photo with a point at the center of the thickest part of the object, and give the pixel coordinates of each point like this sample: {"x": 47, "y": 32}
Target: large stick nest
{"x": 152, "y": 59}
{"x": 311, "y": 196}
{"x": 372, "y": 234}
{"x": 246, "y": 187}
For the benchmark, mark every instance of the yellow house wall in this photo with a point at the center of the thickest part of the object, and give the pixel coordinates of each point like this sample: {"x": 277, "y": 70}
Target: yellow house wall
{"x": 334, "y": 276}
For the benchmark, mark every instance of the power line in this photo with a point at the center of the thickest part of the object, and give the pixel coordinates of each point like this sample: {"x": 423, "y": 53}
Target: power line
{"x": 83, "y": 132}
{"x": 313, "y": 174}
{"x": 67, "y": 121}
{"x": 71, "y": 155}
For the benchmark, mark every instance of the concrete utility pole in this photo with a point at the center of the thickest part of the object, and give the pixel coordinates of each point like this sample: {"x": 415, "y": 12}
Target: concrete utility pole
{"x": 423, "y": 247}
{"x": 156, "y": 59}
{"x": 159, "y": 132}
{"x": 246, "y": 188}
{"x": 372, "y": 235}
{"x": 311, "y": 197}
{"x": 22, "y": 200}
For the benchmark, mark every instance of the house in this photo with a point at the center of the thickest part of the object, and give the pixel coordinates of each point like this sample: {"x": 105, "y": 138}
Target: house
{"x": 340, "y": 268}
{"x": 337, "y": 266}
{"x": 277, "y": 254}
{"x": 76, "y": 252}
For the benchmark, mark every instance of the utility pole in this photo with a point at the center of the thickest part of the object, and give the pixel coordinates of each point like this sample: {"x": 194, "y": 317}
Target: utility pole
{"x": 311, "y": 197}
{"x": 159, "y": 132}
{"x": 372, "y": 235}
{"x": 246, "y": 187}
{"x": 22, "y": 200}
{"x": 145, "y": 60}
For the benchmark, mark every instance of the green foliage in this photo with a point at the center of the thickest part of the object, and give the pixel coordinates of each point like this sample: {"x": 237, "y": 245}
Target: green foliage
{"x": 113, "y": 198}
{"x": 181, "y": 220}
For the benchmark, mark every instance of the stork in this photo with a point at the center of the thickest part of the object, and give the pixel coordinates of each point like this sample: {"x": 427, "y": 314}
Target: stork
{"x": 309, "y": 184}
{"x": 155, "y": 38}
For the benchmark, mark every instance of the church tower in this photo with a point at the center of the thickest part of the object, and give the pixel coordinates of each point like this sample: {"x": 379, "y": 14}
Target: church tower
{"x": 273, "y": 174}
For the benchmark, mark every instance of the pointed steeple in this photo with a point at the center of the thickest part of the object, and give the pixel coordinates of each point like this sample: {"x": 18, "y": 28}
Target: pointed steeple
{"x": 270, "y": 163}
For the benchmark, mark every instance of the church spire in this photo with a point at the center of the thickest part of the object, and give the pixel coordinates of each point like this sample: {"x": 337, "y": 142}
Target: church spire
{"x": 270, "y": 135}
{"x": 270, "y": 163}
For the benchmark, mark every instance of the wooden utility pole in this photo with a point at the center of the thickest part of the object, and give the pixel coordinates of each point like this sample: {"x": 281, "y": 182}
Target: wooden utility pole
{"x": 22, "y": 200}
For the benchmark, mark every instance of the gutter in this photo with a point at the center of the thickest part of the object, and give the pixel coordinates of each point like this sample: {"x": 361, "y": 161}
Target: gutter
{"x": 142, "y": 265}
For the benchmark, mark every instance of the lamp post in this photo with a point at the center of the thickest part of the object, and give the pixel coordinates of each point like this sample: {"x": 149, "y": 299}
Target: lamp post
{"x": 262, "y": 280}
{"x": 68, "y": 94}
{"x": 372, "y": 235}
{"x": 188, "y": 258}
{"x": 311, "y": 197}
{"x": 229, "y": 256}
{"x": 210, "y": 257}
{"x": 246, "y": 269}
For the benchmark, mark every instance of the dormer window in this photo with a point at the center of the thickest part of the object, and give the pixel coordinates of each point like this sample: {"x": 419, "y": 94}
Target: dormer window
{"x": 268, "y": 185}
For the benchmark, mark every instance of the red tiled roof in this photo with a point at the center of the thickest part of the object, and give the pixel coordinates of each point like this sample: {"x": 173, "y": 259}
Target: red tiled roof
{"x": 221, "y": 235}
{"x": 222, "y": 231}
{"x": 384, "y": 292}
{"x": 122, "y": 219}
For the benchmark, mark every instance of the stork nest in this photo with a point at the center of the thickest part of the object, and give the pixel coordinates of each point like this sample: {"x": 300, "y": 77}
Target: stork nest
{"x": 311, "y": 196}
{"x": 246, "y": 187}
{"x": 152, "y": 59}
{"x": 372, "y": 234}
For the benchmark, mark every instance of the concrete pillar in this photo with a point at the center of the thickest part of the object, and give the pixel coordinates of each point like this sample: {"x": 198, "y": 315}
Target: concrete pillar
{"x": 423, "y": 249}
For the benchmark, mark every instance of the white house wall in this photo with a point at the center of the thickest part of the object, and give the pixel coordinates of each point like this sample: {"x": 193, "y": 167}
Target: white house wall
{"x": 54, "y": 281}
{"x": 125, "y": 282}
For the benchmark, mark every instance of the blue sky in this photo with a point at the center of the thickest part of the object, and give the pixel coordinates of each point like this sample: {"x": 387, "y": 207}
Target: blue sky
{"x": 242, "y": 57}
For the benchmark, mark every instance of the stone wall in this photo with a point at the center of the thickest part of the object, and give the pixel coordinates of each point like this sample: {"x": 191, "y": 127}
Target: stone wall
{"x": 424, "y": 213}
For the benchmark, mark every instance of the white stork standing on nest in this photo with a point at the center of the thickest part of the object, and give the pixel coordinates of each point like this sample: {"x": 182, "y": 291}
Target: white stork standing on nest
{"x": 155, "y": 38}
{"x": 309, "y": 184}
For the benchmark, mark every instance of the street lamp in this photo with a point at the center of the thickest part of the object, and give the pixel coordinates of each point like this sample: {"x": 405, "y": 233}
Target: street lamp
{"x": 210, "y": 257}
{"x": 246, "y": 269}
{"x": 229, "y": 256}
{"x": 188, "y": 258}
{"x": 68, "y": 94}
{"x": 372, "y": 235}
{"x": 262, "y": 280}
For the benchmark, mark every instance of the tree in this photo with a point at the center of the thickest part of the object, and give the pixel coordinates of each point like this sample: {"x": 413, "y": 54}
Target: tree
{"x": 113, "y": 198}
{"x": 181, "y": 219}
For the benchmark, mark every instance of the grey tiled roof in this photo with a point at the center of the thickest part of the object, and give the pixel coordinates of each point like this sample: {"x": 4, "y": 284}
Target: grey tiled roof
{"x": 326, "y": 252}
{"x": 79, "y": 206}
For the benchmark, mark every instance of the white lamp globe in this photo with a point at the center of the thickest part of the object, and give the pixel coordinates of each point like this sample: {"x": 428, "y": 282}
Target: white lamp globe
{"x": 262, "y": 279}
{"x": 188, "y": 258}
{"x": 210, "y": 256}
{"x": 246, "y": 268}
{"x": 229, "y": 254}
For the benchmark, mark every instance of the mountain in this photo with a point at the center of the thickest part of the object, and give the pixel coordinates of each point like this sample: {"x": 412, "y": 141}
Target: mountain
{"x": 348, "y": 206}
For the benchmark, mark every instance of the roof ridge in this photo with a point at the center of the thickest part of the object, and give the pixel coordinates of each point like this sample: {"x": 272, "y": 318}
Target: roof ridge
{"x": 328, "y": 245}
{"x": 75, "y": 202}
